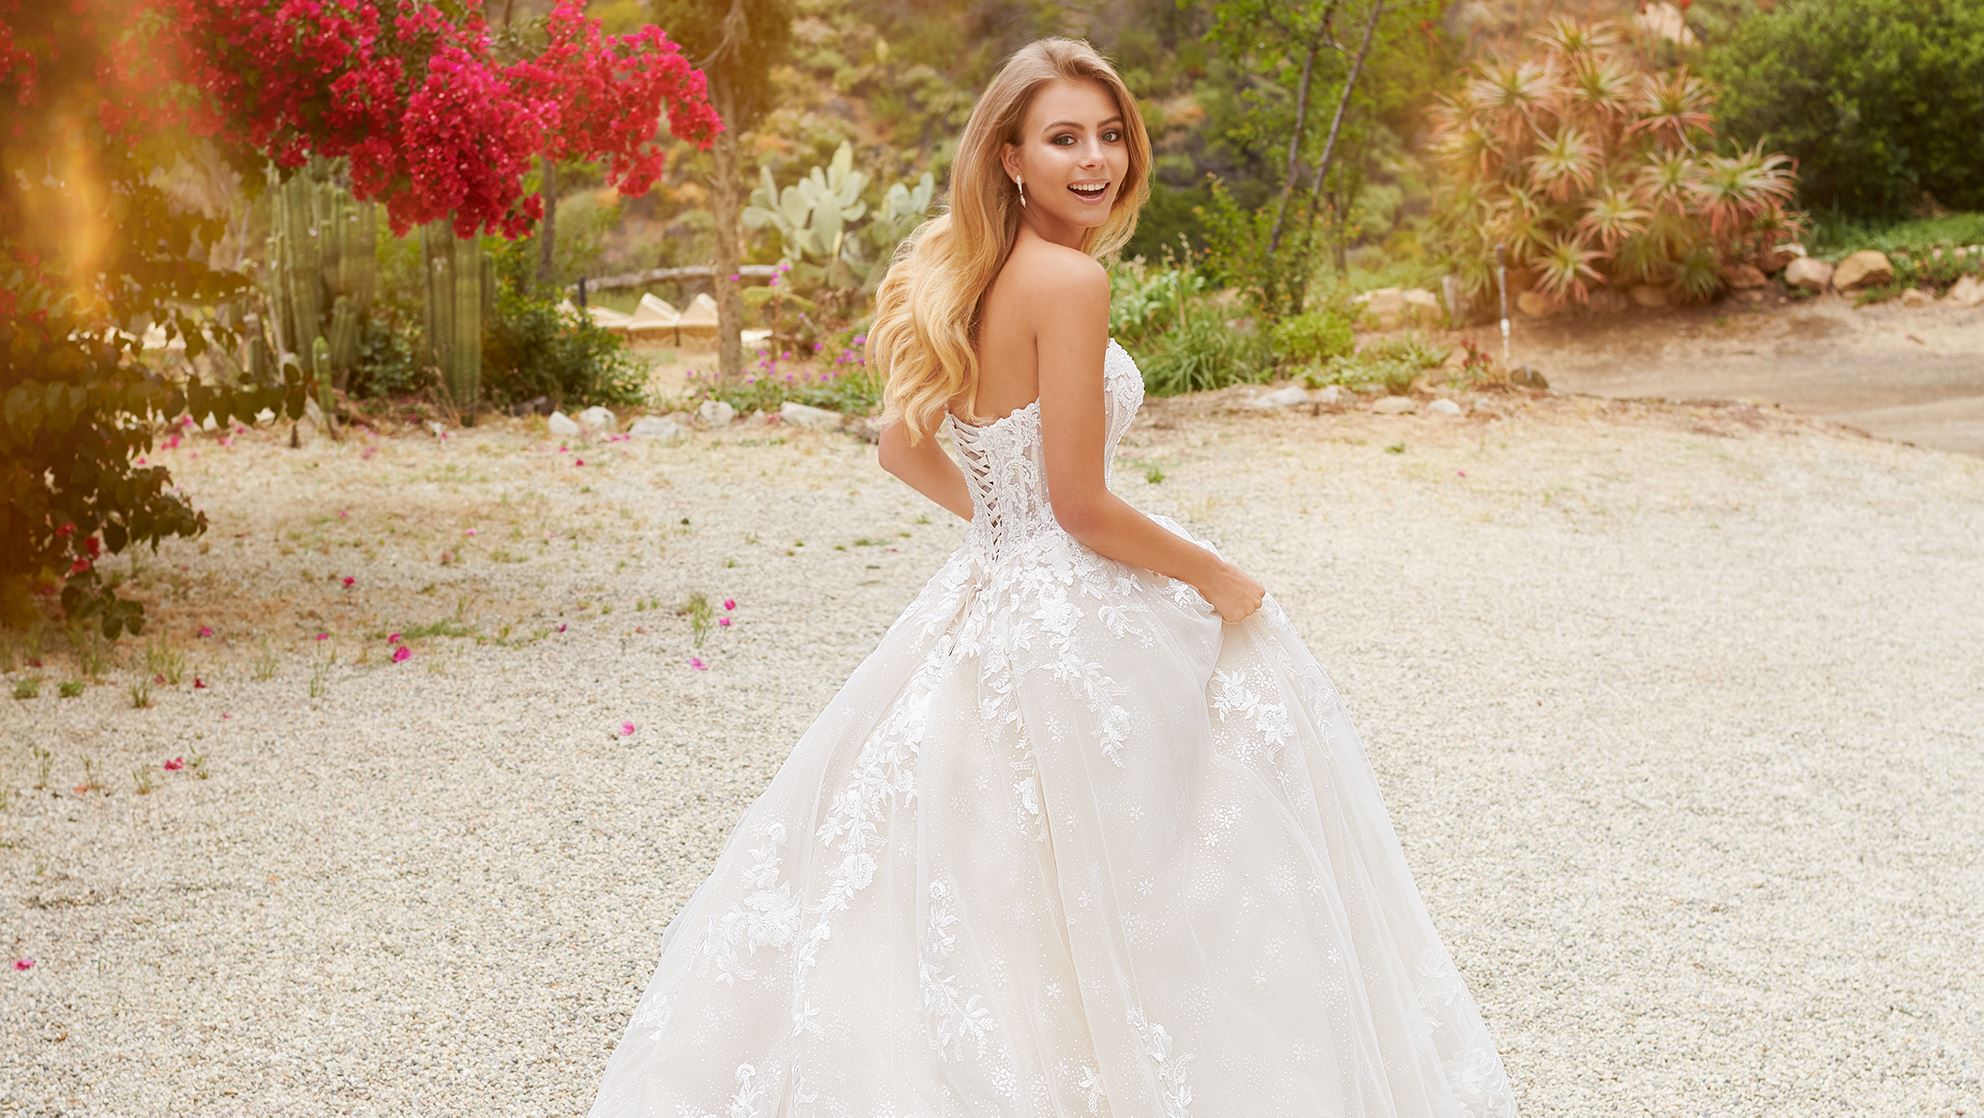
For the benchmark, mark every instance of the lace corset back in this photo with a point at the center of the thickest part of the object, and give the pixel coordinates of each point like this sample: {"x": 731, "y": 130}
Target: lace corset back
{"x": 1005, "y": 464}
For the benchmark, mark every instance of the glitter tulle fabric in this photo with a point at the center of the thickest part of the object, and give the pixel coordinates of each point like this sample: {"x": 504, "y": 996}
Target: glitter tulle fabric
{"x": 1065, "y": 843}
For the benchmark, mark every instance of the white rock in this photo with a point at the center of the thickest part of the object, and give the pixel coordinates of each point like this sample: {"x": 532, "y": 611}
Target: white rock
{"x": 1281, "y": 398}
{"x": 1809, "y": 273}
{"x": 1331, "y": 394}
{"x": 1443, "y": 406}
{"x": 657, "y": 427}
{"x": 1916, "y": 297}
{"x": 805, "y": 415}
{"x": 561, "y": 425}
{"x": 599, "y": 419}
{"x": 716, "y": 413}
{"x": 1966, "y": 292}
{"x": 1422, "y": 305}
{"x": 265, "y": 416}
{"x": 1395, "y": 405}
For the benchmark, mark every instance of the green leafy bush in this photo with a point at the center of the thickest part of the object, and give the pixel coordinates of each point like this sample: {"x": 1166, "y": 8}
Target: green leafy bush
{"x": 1879, "y": 100}
{"x": 1204, "y": 351}
{"x": 1314, "y": 335}
{"x": 533, "y": 349}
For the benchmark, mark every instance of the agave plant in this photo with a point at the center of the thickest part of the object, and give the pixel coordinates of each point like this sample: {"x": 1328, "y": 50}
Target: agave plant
{"x": 1589, "y": 167}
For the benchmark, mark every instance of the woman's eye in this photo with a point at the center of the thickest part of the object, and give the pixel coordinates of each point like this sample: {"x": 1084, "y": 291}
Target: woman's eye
{"x": 1108, "y": 132}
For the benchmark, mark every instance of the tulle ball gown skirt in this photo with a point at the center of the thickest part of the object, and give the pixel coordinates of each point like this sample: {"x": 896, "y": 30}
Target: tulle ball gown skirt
{"x": 1065, "y": 843}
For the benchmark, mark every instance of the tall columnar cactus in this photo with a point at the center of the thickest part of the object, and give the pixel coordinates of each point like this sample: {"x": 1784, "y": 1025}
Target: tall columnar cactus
{"x": 322, "y": 259}
{"x": 461, "y": 285}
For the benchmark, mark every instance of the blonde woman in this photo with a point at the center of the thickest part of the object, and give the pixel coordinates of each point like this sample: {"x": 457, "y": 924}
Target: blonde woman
{"x": 1090, "y": 831}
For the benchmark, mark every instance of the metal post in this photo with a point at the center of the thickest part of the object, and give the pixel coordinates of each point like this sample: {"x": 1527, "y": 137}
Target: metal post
{"x": 1502, "y": 286}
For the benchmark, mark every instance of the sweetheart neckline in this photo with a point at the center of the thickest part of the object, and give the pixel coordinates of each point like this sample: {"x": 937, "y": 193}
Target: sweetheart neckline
{"x": 1030, "y": 405}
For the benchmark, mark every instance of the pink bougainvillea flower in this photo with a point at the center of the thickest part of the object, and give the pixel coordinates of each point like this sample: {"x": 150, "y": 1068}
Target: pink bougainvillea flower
{"x": 392, "y": 638}
{"x": 730, "y": 603}
{"x": 578, "y": 462}
{"x": 323, "y": 636}
{"x": 626, "y": 729}
{"x": 1462, "y": 473}
{"x": 724, "y": 622}
{"x": 562, "y": 448}
{"x": 471, "y": 531}
{"x": 696, "y": 662}
{"x": 342, "y": 514}
{"x": 401, "y": 652}
{"x": 348, "y": 580}
{"x": 199, "y": 684}
{"x": 140, "y": 460}
{"x": 206, "y": 631}
{"x": 23, "y": 964}
{"x": 175, "y": 764}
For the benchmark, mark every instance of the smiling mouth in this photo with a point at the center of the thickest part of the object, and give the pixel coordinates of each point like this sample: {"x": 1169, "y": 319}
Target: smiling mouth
{"x": 1093, "y": 194}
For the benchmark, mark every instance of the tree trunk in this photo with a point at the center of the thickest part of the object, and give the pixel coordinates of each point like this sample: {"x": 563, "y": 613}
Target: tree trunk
{"x": 1293, "y": 174}
{"x": 547, "y": 234}
{"x": 1336, "y": 129}
{"x": 726, "y": 209}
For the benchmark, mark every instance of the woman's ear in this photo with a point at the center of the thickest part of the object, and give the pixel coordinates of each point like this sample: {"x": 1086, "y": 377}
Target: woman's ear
{"x": 1009, "y": 158}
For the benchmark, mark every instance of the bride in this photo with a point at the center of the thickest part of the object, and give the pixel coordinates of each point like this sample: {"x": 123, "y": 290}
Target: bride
{"x": 1090, "y": 831}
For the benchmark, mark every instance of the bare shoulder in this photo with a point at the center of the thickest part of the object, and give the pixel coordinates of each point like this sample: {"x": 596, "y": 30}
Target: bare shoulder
{"x": 1065, "y": 289}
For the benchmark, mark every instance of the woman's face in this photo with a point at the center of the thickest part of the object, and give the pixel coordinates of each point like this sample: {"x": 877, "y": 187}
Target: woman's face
{"x": 1072, "y": 136}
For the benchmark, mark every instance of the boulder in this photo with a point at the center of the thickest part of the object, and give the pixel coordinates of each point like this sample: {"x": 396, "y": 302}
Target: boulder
{"x": 562, "y": 426}
{"x": 1808, "y": 273}
{"x": 1779, "y": 257}
{"x": 805, "y": 415}
{"x": 1280, "y": 398}
{"x": 1536, "y": 304}
{"x": 1383, "y": 309}
{"x": 1608, "y": 300}
{"x": 1916, "y": 297}
{"x": 1966, "y": 292}
{"x": 1331, "y": 394}
{"x": 1746, "y": 277}
{"x": 1422, "y": 305}
{"x": 659, "y": 428}
{"x": 1647, "y": 295}
{"x": 1666, "y": 20}
{"x": 716, "y": 413}
{"x": 1866, "y": 268}
{"x": 596, "y": 418}
{"x": 1395, "y": 405}
{"x": 1443, "y": 406}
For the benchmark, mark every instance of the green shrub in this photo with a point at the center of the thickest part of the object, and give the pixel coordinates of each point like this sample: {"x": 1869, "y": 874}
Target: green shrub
{"x": 533, "y": 349}
{"x": 1204, "y": 352}
{"x": 1878, "y": 99}
{"x": 388, "y": 364}
{"x": 1835, "y": 235}
{"x": 1315, "y": 335}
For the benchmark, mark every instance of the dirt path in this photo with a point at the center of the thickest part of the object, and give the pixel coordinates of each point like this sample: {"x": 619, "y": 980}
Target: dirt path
{"x": 1910, "y": 374}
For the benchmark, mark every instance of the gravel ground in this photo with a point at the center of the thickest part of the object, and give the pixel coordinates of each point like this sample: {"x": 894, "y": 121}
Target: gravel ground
{"x": 1679, "y": 710}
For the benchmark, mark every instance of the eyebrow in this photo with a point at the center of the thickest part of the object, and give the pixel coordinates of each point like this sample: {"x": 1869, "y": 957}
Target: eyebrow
{"x": 1072, "y": 124}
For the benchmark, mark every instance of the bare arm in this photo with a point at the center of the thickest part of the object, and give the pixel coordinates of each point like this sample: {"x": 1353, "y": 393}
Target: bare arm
{"x": 1070, "y": 304}
{"x": 925, "y": 467}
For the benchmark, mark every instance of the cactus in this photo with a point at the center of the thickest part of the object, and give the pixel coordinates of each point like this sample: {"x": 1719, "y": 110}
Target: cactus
{"x": 322, "y": 255}
{"x": 816, "y": 217}
{"x": 461, "y": 287}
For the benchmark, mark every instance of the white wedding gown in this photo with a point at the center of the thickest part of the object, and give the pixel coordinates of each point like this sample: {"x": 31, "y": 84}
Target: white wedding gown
{"x": 1065, "y": 843}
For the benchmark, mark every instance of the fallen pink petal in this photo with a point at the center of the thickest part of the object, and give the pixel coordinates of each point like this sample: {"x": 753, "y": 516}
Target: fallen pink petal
{"x": 348, "y": 580}
{"x": 626, "y": 729}
{"x": 323, "y": 636}
{"x": 175, "y": 764}
{"x": 723, "y": 622}
{"x": 730, "y": 603}
{"x": 205, "y": 631}
{"x": 401, "y": 653}
{"x": 23, "y": 964}
{"x": 697, "y": 663}
{"x": 392, "y": 638}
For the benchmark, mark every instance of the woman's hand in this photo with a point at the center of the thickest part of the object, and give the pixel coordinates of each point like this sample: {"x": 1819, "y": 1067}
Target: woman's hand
{"x": 1230, "y": 591}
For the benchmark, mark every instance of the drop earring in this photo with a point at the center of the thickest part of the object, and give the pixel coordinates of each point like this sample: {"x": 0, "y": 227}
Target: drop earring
{"x": 1022, "y": 186}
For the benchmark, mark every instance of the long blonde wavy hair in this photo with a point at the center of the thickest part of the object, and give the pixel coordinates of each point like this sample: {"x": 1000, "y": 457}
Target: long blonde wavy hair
{"x": 927, "y": 307}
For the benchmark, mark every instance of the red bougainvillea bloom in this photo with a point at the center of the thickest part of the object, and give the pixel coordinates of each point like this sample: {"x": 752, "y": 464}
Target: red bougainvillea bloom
{"x": 348, "y": 580}
{"x": 433, "y": 123}
{"x": 23, "y": 964}
{"x": 724, "y": 622}
{"x": 199, "y": 684}
{"x": 730, "y": 603}
{"x": 696, "y": 662}
{"x": 626, "y": 729}
{"x": 175, "y": 764}
{"x": 205, "y": 631}
{"x": 401, "y": 653}
{"x": 392, "y": 638}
